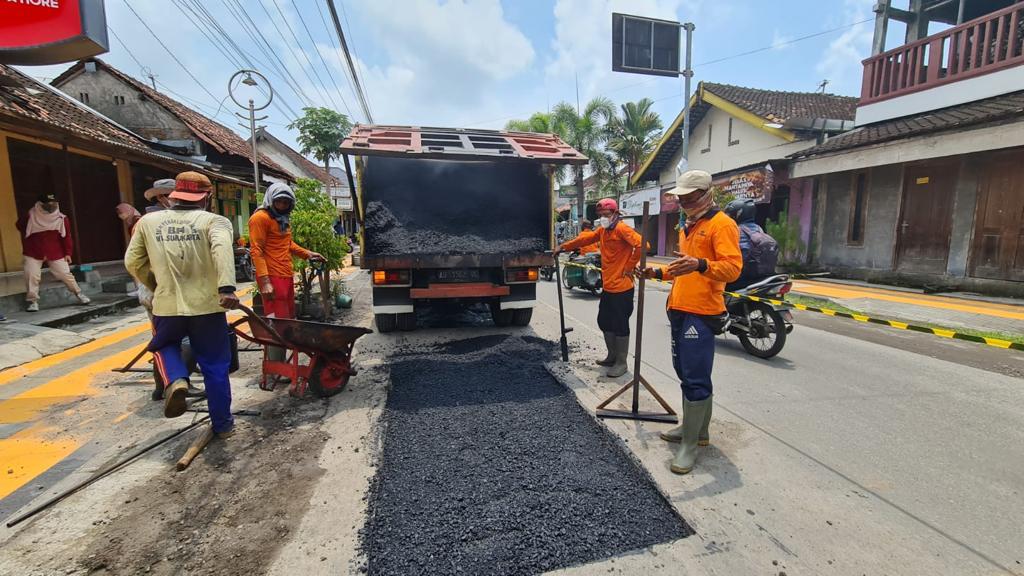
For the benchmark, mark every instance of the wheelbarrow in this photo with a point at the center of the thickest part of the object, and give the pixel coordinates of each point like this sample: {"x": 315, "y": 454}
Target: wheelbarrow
{"x": 328, "y": 347}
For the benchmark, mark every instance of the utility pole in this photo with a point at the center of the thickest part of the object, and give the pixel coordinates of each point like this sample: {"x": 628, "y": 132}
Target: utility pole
{"x": 351, "y": 66}
{"x": 684, "y": 164}
{"x": 251, "y": 82}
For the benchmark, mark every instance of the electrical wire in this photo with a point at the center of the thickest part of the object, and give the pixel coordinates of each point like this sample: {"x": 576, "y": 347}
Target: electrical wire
{"x": 348, "y": 57}
{"x": 359, "y": 65}
{"x": 334, "y": 42}
{"x": 318, "y": 86}
{"x": 321, "y": 56}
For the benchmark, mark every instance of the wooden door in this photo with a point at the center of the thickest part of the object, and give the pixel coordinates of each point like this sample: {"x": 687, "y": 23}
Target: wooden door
{"x": 926, "y": 219}
{"x": 997, "y": 250}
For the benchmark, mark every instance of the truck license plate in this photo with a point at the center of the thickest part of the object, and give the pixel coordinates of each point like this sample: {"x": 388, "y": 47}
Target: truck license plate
{"x": 458, "y": 275}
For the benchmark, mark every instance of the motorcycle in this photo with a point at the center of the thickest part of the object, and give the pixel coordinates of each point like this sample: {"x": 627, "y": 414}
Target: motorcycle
{"x": 583, "y": 272}
{"x": 244, "y": 270}
{"x": 761, "y": 326}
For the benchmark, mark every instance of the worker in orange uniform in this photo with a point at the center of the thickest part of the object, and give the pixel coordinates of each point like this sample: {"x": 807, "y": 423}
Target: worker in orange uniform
{"x": 709, "y": 257}
{"x": 620, "y": 252}
{"x": 588, "y": 226}
{"x": 271, "y": 248}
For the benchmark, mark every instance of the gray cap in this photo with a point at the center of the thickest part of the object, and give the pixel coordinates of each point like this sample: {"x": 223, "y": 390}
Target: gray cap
{"x": 160, "y": 188}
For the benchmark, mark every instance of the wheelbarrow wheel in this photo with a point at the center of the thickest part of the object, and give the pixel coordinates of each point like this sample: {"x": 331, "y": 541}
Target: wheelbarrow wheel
{"x": 328, "y": 376}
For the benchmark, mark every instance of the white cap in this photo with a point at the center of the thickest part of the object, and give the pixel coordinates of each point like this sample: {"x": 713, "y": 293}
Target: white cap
{"x": 690, "y": 181}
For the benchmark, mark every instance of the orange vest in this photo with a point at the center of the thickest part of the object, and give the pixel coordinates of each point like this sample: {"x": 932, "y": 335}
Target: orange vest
{"x": 716, "y": 239}
{"x": 270, "y": 249}
{"x": 620, "y": 253}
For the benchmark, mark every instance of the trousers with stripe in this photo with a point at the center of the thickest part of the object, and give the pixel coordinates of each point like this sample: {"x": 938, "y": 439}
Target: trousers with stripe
{"x": 211, "y": 344}
{"x": 693, "y": 354}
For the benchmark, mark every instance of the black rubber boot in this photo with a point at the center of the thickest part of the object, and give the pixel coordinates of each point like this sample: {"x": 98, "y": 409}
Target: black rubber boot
{"x": 609, "y": 342}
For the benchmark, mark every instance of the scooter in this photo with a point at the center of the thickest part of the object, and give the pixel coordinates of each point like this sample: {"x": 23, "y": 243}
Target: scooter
{"x": 761, "y": 327}
{"x": 583, "y": 272}
{"x": 244, "y": 270}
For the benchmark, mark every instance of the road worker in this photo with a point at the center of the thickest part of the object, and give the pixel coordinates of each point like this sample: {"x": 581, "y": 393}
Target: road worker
{"x": 271, "y": 249}
{"x": 588, "y": 226}
{"x": 184, "y": 256}
{"x": 709, "y": 257}
{"x": 158, "y": 195}
{"x": 620, "y": 252}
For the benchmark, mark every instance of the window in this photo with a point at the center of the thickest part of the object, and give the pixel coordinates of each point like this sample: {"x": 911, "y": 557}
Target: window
{"x": 707, "y": 147}
{"x": 83, "y": 97}
{"x": 119, "y": 100}
{"x": 731, "y": 141}
{"x": 858, "y": 208}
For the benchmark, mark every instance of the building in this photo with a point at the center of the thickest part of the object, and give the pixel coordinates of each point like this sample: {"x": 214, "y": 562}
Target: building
{"x": 929, "y": 187}
{"x": 743, "y": 137}
{"x": 52, "y": 143}
{"x": 288, "y": 158}
{"x": 162, "y": 120}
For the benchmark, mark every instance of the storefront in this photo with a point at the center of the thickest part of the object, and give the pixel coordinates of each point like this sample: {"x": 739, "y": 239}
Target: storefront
{"x": 631, "y": 206}
{"x": 236, "y": 203}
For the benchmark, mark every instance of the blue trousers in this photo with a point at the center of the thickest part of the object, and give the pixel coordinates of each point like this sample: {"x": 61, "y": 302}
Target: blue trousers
{"x": 693, "y": 354}
{"x": 211, "y": 345}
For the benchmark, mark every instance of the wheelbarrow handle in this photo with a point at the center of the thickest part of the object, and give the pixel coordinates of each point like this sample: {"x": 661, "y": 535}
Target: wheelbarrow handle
{"x": 254, "y": 317}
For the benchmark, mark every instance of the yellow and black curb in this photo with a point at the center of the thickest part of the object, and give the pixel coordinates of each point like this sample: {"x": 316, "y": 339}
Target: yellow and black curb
{"x": 941, "y": 332}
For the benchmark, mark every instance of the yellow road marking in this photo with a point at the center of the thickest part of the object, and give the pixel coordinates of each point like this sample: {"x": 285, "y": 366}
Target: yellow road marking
{"x": 943, "y": 333}
{"x": 997, "y": 310}
{"x": 29, "y": 453}
{"x": 900, "y": 325}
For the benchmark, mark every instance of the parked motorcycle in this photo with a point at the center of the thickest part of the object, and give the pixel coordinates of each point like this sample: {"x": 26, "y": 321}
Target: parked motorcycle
{"x": 583, "y": 272}
{"x": 244, "y": 270}
{"x": 761, "y": 326}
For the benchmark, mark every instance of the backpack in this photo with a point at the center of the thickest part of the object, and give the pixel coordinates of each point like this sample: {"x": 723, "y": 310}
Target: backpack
{"x": 763, "y": 253}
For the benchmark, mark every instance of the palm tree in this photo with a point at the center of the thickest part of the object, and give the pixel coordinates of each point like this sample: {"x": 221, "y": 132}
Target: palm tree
{"x": 540, "y": 122}
{"x": 586, "y": 132}
{"x": 633, "y": 135}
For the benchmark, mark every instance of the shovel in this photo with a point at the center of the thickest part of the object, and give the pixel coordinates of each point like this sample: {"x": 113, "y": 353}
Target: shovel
{"x": 563, "y": 342}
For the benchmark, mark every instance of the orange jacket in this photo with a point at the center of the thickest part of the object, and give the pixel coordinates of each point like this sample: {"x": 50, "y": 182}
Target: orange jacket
{"x": 589, "y": 249}
{"x": 620, "y": 252}
{"x": 716, "y": 240}
{"x": 271, "y": 250}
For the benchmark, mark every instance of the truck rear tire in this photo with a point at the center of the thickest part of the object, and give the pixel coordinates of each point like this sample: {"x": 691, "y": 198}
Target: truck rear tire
{"x": 406, "y": 322}
{"x": 522, "y": 316}
{"x": 385, "y": 322}
{"x": 501, "y": 317}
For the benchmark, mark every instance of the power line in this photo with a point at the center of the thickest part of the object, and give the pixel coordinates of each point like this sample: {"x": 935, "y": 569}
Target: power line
{"x": 334, "y": 42}
{"x": 351, "y": 66}
{"x": 355, "y": 52}
{"x": 288, "y": 25}
{"x": 786, "y": 43}
{"x": 175, "y": 58}
{"x": 321, "y": 56}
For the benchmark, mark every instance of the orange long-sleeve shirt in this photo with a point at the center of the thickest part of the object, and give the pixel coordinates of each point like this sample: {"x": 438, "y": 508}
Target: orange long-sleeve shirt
{"x": 716, "y": 239}
{"x": 271, "y": 250}
{"x": 620, "y": 253}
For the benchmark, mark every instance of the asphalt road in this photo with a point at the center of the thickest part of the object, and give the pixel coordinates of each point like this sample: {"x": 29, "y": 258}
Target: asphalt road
{"x": 929, "y": 433}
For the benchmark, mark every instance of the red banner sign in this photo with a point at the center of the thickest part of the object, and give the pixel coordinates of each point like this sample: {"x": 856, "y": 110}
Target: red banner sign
{"x": 51, "y": 31}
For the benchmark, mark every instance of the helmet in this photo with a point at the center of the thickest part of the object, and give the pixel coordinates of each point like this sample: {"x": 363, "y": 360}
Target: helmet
{"x": 608, "y": 204}
{"x": 741, "y": 210}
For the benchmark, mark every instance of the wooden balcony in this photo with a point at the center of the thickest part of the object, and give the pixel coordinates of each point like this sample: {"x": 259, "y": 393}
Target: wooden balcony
{"x": 984, "y": 45}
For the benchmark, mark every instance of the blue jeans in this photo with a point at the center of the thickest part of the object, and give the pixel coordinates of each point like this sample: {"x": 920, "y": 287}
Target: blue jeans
{"x": 693, "y": 354}
{"x": 211, "y": 345}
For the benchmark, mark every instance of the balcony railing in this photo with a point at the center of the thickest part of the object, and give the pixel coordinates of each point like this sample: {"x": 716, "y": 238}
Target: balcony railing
{"x": 992, "y": 42}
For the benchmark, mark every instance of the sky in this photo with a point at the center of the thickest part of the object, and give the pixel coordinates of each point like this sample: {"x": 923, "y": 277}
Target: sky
{"x": 474, "y": 63}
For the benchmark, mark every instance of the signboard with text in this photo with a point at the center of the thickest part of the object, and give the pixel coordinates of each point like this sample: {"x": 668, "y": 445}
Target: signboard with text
{"x": 756, "y": 185}
{"x": 632, "y": 203}
{"x": 51, "y": 31}
{"x": 644, "y": 45}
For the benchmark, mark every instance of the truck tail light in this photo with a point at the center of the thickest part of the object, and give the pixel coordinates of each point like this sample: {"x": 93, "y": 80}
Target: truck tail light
{"x": 390, "y": 277}
{"x": 519, "y": 275}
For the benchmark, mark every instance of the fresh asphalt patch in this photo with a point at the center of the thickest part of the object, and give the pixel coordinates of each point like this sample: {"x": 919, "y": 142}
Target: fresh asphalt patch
{"x": 489, "y": 465}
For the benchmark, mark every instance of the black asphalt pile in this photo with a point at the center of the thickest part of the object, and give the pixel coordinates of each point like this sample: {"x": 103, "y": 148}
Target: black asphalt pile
{"x": 489, "y": 466}
{"x": 445, "y": 207}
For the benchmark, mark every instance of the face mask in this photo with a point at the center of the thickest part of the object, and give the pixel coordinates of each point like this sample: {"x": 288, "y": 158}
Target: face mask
{"x": 604, "y": 222}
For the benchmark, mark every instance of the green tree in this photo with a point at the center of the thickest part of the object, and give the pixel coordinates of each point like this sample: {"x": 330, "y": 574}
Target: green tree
{"x": 543, "y": 123}
{"x": 321, "y": 131}
{"x": 312, "y": 223}
{"x": 633, "y": 134}
{"x": 787, "y": 233}
{"x": 586, "y": 132}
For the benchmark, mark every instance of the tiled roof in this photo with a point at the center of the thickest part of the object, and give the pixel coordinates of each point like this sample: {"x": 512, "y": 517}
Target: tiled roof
{"x": 23, "y": 97}
{"x": 972, "y": 113}
{"x": 781, "y": 106}
{"x": 311, "y": 168}
{"x": 218, "y": 136}
{"x": 772, "y": 105}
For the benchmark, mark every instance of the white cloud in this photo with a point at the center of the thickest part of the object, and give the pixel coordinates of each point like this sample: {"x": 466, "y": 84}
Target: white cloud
{"x": 841, "y": 62}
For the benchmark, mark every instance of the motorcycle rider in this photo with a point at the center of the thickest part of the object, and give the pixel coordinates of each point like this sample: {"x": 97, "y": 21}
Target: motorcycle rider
{"x": 759, "y": 248}
{"x": 620, "y": 251}
{"x": 709, "y": 257}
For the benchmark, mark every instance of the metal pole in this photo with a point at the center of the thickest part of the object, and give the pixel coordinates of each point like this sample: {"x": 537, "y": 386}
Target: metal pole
{"x": 255, "y": 151}
{"x": 640, "y": 306}
{"x": 687, "y": 74}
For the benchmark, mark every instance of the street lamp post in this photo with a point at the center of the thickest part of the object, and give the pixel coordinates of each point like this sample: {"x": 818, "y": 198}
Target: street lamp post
{"x": 251, "y": 106}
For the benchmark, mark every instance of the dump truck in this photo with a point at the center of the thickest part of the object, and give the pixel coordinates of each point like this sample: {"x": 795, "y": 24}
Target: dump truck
{"x": 454, "y": 216}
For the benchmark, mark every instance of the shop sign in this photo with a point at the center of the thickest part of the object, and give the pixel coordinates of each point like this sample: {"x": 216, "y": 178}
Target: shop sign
{"x": 343, "y": 204}
{"x": 632, "y": 203}
{"x": 51, "y": 31}
{"x": 754, "y": 185}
